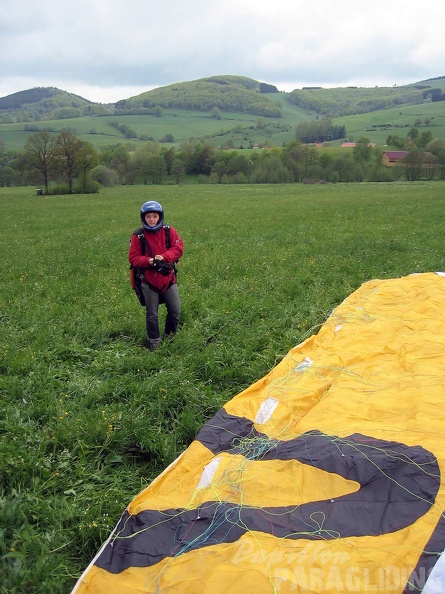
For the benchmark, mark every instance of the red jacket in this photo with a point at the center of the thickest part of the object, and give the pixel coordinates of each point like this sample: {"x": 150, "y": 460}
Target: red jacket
{"x": 139, "y": 256}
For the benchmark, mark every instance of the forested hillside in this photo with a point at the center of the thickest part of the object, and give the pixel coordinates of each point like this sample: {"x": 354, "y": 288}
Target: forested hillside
{"x": 218, "y": 95}
{"x": 344, "y": 101}
{"x": 224, "y": 93}
{"x": 46, "y": 103}
{"x": 228, "y": 112}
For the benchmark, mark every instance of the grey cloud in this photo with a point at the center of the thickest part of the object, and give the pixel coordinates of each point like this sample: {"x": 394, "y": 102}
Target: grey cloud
{"x": 106, "y": 43}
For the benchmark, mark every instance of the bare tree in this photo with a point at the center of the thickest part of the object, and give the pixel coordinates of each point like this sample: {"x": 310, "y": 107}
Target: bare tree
{"x": 40, "y": 154}
{"x": 67, "y": 147}
{"x": 87, "y": 159}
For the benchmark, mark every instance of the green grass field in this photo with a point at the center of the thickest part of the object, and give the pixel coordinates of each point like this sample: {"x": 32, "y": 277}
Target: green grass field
{"x": 182, "y": 124}
{"x": 89, "y": 416}
{"x": 399, "y": 121}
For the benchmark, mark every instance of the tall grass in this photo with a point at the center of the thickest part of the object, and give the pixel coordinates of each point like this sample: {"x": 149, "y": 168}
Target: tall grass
{"x": 89, "y": 416}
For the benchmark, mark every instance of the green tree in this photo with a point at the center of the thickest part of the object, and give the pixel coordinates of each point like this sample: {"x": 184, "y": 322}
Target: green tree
{"x": 142, "y": 157}
{"x": 362, "y": 150}
{"x": 270, "y": 170}
{"x": 178, "y": 170}
{"x": 215, "y": 113}
{"x": 19, "y": 164}
{"x": 157, "y": 168}
{"x": 396, "y": 141}
{"x": 119, "y": 160}
{"x": 310, "y": 162}
{"x": 413, "y": 135}
{"x": 219, "y": 170}
{"x": 344, "y": 166}
{"x": 131, "y": 169}
{"x": 293, "y": 160}
{"x": 237, "y": 164}
{"x": 169, "y": 156}
{"x": 437, "y": 148}
{"x": 7, "y": 176}
{"x": 63, "y": 113}
{"x": 424, "y": 138}
{"x": 130, "y": 133}
{"x": 198, "y": 157}
{"x": 326, "y": 162}
{"x": 319, "y": 130}
{"x": 105, "y": 176}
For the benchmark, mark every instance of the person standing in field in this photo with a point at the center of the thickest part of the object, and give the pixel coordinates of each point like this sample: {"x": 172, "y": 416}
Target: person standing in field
{"x": 154, "y": 250}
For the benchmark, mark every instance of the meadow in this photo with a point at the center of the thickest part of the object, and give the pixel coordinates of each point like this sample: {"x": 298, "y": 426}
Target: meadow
{"x": 377, "y": 125}
{"x": 233, "y": 129}
{"x": 181, "y": 124}
{"x": 89, "y": 416}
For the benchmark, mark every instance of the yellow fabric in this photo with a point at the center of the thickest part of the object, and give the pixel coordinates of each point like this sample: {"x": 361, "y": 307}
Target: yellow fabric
{"x": 377, "y": 368}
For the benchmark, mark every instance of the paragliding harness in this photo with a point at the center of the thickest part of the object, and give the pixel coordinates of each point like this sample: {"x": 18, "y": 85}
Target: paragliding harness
{"x": 137, "y": 274}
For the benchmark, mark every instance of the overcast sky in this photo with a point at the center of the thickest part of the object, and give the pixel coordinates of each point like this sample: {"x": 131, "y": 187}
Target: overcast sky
{"x": 106, "y": 50}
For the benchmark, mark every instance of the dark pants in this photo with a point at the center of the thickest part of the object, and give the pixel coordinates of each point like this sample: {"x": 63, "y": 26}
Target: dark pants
{"x": 152, "y": 302}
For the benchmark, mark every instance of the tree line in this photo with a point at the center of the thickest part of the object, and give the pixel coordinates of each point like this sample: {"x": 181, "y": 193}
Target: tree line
{"x": 63, "y": 163}
{"x": 434, "y": 95}
{"x": 322, "y": 130}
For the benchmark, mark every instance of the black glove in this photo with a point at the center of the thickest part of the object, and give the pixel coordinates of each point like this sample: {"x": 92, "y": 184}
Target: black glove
{"x": 162, "y": 267}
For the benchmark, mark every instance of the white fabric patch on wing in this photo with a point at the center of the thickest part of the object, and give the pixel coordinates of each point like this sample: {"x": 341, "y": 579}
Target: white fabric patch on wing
{"x": 266, "y": 410}
{"x": 208, "y": 473}
{"x": 303, "y": 365}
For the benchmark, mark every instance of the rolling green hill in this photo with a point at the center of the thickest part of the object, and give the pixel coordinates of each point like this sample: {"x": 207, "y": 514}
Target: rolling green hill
{"x": 226, "y": 111}
{"x": 46, "y": 103}
{"x": 226, "y": 93}
{"x": 378, "y": 125}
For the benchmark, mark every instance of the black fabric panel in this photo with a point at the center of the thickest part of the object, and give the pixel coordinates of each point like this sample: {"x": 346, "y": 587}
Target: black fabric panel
{"x": 398, "y": 484}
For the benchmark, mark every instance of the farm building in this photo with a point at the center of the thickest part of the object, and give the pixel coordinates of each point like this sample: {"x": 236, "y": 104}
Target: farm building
{"x": 391, "y": 158}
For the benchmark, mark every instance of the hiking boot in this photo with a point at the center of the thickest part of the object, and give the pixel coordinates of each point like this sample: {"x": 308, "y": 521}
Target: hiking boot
{"x": 154, "y": 343}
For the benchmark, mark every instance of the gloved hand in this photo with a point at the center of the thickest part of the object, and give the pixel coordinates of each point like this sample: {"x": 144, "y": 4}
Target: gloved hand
{"x": 162, "y": 267}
